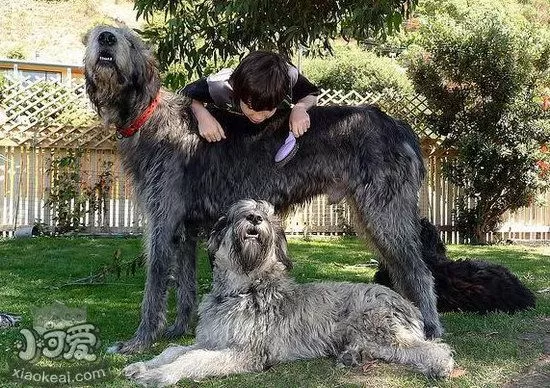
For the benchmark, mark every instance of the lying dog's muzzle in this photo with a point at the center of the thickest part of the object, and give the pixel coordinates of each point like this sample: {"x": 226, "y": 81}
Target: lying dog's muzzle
{"x": 251, "y": 233}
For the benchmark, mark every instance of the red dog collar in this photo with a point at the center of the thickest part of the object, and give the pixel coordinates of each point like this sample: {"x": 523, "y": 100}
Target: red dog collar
{"x": 137, "y": 123}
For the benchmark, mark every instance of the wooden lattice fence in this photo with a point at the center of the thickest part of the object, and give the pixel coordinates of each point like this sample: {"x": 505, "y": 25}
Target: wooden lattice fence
{"x": 47, "y": 114}
{"x": 411, "y": 108}
{"x": 45, "y": 120}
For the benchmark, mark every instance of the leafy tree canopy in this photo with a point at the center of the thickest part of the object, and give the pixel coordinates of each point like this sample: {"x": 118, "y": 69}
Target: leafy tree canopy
{"x": 194, "y": 31}
{"x": 485, "y": 77}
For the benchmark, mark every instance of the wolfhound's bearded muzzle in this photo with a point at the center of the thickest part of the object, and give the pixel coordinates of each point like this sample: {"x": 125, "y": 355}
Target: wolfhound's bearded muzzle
{"x": 253, "y": 235}
{"x": 121, "y": 74}
{"x": 107, "y": 41}
{"x": 106, "y": 47}
{"x": 253, "y": 226}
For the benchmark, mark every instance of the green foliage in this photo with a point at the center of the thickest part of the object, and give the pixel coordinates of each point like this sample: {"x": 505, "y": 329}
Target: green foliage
{"x": 117, "y": 267}
{"x": 98, "y": 193}
{"x": 482, "y": 76}
{"x": 69, "y": 194}
{"x": 2, "y": 83}
{"x": 196, "y": 31}
{"x": 351, "y": 68}
{"x": 64, "y": 107}
{"x": 17, "y": 53}
{"x": 176, "y": 76}
{"x": 42, "y": 228}
{"x": 513, "y": 12}
{"x": 65, "y": 198}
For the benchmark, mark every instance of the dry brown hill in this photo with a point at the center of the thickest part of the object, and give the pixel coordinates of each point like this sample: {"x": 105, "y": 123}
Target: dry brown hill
{"x": 52, "y": 30}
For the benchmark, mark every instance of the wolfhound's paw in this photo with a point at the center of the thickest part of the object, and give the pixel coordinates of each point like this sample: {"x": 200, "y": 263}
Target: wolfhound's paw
{"x": 134, "y": 369}
{"x": 129, "y": 347}
{"x": 158, "y": 377}
{"x": 442, "y": 361}
{"x": 447, "y": 361}
{"x": 448, "y": 368}
{"x": 441, "y": 371}
{"x": 175, "y": 331}
{"x": 433, "y": 330}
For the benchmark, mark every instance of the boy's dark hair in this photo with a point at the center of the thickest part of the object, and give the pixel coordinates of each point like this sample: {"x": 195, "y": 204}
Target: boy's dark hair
{"x": 261, "y": 80}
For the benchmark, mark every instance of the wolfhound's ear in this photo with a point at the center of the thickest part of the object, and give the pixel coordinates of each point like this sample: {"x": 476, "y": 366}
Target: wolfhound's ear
{"x": 266, "y": 207}
{"x": 85, "y": 37}
{"x": 215, "y": 238}
{"x": 281, "y": 248}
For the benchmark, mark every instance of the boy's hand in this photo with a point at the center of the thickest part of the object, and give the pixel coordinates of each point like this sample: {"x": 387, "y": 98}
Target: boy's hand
{"x": 299, "y": 120}
{"x": 209, "y": 128}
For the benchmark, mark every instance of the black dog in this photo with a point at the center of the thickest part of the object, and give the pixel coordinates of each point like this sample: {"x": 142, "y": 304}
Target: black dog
{"x": 467, "y": 285}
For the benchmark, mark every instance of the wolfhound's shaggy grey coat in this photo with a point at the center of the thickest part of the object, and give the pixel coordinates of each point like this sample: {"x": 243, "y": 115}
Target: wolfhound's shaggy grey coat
{"x": 184, "y": 182}
{"x": 256, "y": 315}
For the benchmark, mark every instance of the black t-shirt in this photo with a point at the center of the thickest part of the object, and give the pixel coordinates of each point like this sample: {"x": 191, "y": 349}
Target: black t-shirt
{"x": 215, "y": 89}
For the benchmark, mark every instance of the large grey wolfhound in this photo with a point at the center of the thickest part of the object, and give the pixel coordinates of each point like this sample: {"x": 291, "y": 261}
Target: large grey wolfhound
{"x": 184, "y": 182}
{"x": 256, "y": 315}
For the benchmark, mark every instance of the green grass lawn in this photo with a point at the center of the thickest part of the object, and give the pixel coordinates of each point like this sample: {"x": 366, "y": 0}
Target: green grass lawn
{"x": 492, "y": 349}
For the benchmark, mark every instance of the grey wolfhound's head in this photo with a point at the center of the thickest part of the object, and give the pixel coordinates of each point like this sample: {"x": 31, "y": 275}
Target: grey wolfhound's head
{"x": 121, "y": 73}
{"x": 248, "y": 238}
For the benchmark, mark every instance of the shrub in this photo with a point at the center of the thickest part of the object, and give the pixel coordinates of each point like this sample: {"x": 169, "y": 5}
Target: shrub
{"x": 2, "y": 84}
{"x": 17, "y": 52}
{"x": 352, "y": 68}
{"x": 483, "y": 76}
{"x": 70, "y": 197}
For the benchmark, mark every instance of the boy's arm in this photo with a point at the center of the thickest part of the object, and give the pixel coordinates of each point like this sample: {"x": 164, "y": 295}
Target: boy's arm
{"x": 299, "y": 118}
{"x": 307, "y": 102}
{"x": 197, "y": 90}
{"x": 304, "y": 96}
{"x": 209, "y": 128}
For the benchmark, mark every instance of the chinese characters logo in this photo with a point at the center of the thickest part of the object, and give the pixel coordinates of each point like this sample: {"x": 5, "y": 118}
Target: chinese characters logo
{"x": 59, "y": 332}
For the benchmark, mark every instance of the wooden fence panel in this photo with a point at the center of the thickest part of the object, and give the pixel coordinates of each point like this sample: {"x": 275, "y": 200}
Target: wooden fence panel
{"x": 35, "y": 133}
{"x": 24, "y": 183}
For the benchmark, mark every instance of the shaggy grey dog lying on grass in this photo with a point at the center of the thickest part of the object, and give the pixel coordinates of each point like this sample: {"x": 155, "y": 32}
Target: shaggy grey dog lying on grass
{"x": 257, "y": 316}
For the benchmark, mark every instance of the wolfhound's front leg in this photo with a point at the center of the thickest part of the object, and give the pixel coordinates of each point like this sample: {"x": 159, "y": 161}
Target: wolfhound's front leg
{"x": 395, "y": 234}
{"x": 198, "y": 364}
{"x": 160, "y": 254}
{"x": 433, "y": 359}
{"x": 185, "y": 281}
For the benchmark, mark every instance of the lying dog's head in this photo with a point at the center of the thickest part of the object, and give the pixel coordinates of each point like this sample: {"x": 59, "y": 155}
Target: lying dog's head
{"x": 249, "y": 237}
{"x": 118, "y": 68}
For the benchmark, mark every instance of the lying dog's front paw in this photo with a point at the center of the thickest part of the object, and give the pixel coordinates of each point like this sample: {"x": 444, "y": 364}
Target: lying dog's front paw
{"x": 158, "y": 377}
{"x": 350, "y": 358}
{"x": 134, "y": 369}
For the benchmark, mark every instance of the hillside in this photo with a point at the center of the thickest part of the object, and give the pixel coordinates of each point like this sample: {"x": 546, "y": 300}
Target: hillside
{"x": 52, "y": 31}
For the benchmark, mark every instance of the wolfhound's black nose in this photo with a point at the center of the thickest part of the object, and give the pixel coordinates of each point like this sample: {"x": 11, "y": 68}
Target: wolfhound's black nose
{"x": 254, "y": 218}
{"x": 106, "y": 38}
